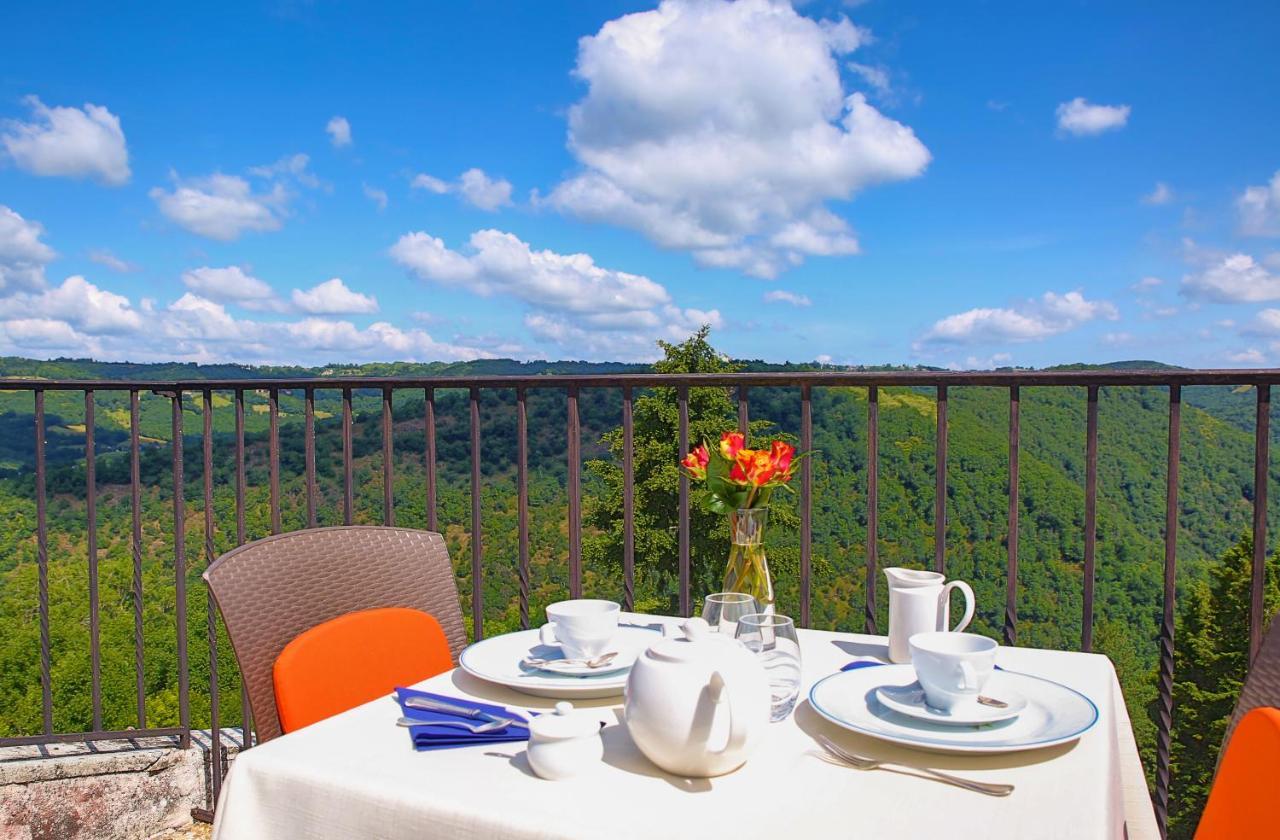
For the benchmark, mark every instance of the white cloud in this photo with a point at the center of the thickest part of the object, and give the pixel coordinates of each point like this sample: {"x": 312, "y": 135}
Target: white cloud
{"x": 289, "y": 166}
{"x": 714, "y": 127}
{"x": 1083, "y": 119}
{"x": 79, "y": 303}
{"x": 1031, "y": 320}
{"x": 332, "y": 297}
{"x": 22, "y": 255}
{"x": 339, "y": 131}
{"x": 1162, "y": 193}
{"x": 1251, "y": 357}
{"x": 377, "y": 196}
{"x": 102, "y": 256}
{"x": 80, "y": 319}
{"x": 574, "y": 302}
{"x": 221, "y": 206}
{"x": 1146, "y": 284}
{"x": 475, "y": 187}
{"x": 423, "y": 181}
{"x": 876, "y": 77}
{"x": 1259, "y": 209}
{"x": 783, "y": 296}
{"x": 72, "y": 142}
{"x": 482, "y": 191}
{"x": 231, "y": 284}
{"x": 1236, "y": 278}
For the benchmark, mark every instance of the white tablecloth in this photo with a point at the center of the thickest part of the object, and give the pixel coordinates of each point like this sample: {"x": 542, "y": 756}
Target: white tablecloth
{"x": 355, "y": 776}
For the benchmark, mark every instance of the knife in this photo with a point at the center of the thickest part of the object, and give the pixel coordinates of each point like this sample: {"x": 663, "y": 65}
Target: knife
{"x": 431, "y": 705}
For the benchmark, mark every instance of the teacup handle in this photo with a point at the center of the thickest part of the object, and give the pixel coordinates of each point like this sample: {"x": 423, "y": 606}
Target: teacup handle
{"x": 968, "y": 677}
{"x": 968, "y": 602}
{"x": 547, "y": 633}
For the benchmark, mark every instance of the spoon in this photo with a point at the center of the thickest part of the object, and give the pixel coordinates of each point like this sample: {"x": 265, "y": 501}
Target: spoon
{"x": 596, "y": 662}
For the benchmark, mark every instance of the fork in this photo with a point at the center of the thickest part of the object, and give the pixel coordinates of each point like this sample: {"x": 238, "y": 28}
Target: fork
{"x": 473, "y": 728}
{"x": 863, "y": 763}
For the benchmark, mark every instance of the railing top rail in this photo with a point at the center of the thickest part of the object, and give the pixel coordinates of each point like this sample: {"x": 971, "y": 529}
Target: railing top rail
{"x": 820, "y": 378}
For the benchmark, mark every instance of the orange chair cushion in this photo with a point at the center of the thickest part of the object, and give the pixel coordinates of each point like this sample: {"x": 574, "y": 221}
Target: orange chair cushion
{"x": 355, "y": 658}
{"x": 1245, "y": 798}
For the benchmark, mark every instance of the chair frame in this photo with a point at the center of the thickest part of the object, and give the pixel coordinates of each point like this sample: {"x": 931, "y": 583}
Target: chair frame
{"x": 270, "y": 590}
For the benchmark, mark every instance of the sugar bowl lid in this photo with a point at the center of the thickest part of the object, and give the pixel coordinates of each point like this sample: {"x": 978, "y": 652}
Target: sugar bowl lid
{"x": 563, "y": 723}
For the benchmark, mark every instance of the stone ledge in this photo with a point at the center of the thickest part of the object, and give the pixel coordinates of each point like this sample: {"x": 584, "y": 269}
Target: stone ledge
{"x": 132, "y": 788}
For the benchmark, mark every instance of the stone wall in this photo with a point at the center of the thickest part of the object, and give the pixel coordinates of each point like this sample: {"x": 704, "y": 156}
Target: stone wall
{"x": 105, "y": 789}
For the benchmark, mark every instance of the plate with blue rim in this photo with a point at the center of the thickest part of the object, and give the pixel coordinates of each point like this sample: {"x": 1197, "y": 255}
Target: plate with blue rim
{"x": 1054, "y": 713}
{"x": 500, "y": 660}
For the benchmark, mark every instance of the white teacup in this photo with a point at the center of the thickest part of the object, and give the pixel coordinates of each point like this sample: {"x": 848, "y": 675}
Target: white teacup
{"x": 952, "y": 667}
{"x": 582, "y": 628}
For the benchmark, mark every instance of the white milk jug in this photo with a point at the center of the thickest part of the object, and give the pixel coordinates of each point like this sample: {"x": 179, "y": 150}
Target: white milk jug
{"x": 919, "y": 602}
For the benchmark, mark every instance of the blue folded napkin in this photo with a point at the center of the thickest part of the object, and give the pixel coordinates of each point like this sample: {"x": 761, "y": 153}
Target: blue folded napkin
{"x": 871, "y": 663}
{"x": 435, "y": 733}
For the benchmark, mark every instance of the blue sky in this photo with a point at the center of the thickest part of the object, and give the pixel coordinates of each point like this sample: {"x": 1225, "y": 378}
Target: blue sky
{"x": 951, "y": 184}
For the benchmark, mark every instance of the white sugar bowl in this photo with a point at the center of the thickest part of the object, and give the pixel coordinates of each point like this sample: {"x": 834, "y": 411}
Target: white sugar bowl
{"x": 564, "y": 743}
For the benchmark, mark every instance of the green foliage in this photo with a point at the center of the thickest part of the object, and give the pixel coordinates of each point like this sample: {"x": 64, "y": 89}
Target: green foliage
{"x": 1210, "y": 662}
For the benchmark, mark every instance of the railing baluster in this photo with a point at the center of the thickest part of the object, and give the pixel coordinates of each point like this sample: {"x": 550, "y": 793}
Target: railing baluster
{"x": 1164, "y": 725}
{"x": 522, "y": 502}
{"x": 628, "y": 504}
{"x": 574, "y": 433}
{"x": 940, "y": 487}
{"x": 135, "y": 548}
{"x": 431, "y": 459}
{"x": 273, "y": 458}
{"x": 682, "y": 396}
{"x": 246, "y": 715}
{"x": 348, "y": 475}
{"x": 744, "y": 417}
{"x": 806, "y": 504}
{"x": 1011, "y": 574}
{"x": 309, "y": 447}
{"x": 1261, "y": 474}
{"x": 388, "y": 455}
{"x": 180, "y": 572}
{"x": 91, "y": 534}
{"x": 477, "y": 537}
{"x": 1090, "y": 516}
{"x": 211, "y": 612}
{"x": 873, "y": 508}
{"x": 42, "y": 570}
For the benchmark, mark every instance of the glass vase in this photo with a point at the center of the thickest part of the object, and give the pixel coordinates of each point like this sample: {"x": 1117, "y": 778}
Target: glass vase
{"x": 748, "y": 568}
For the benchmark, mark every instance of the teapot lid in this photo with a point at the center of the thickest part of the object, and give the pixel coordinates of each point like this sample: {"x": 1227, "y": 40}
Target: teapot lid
{"x": 698, "y": 644}
{"x": 563, "y": 723}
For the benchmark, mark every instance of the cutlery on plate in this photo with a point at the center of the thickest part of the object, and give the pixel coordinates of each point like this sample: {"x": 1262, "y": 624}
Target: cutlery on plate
{"x": 863, "y": 763}
{"x": 473, "y": 728}
{"x": 596, "y": 662}
{"x": 429, "y": 705}
{"x": 992, "y": 702}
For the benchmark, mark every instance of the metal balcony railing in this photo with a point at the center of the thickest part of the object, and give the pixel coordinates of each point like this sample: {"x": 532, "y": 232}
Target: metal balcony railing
{"x": 740, "y": 384}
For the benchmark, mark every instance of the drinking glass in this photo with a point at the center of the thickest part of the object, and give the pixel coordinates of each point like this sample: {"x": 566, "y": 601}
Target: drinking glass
{"x": 723, "y": 609}
{"x": 773, "y": 639}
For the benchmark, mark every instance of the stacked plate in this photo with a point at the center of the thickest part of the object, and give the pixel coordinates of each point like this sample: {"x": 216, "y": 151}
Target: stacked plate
{"x": 1018, "y": 711}
{"x": 520, "y": 661}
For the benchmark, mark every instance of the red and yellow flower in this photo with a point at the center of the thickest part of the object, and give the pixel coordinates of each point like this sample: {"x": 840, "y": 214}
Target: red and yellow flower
{"x": 696, "y": 462}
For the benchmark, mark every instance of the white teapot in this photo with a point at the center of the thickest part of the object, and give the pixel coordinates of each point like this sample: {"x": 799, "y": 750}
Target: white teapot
{"x": 697, "y": 706}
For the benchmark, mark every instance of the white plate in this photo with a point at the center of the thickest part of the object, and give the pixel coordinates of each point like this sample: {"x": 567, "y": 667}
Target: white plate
{"x": 499, "y": 660}
{"x": 1054, "y": 714}
{"x": 910, "y": 701}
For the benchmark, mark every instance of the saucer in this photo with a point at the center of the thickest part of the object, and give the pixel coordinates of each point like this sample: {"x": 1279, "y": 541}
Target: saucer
{"x": 555, "y": 662}
{"x": 909, "y": 700}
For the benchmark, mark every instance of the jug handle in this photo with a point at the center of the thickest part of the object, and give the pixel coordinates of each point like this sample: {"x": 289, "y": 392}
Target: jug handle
{"x": 737, "y": 732}
{"x": 968, "y": 602}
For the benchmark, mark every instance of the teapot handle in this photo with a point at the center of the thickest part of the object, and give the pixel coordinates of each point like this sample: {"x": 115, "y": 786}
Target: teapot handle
{"x": 737, "y": 731}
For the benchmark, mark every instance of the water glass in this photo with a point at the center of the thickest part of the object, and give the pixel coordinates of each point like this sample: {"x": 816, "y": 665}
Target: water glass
{"x": 773, "y": 639}
{"x": 723, "y": 609}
